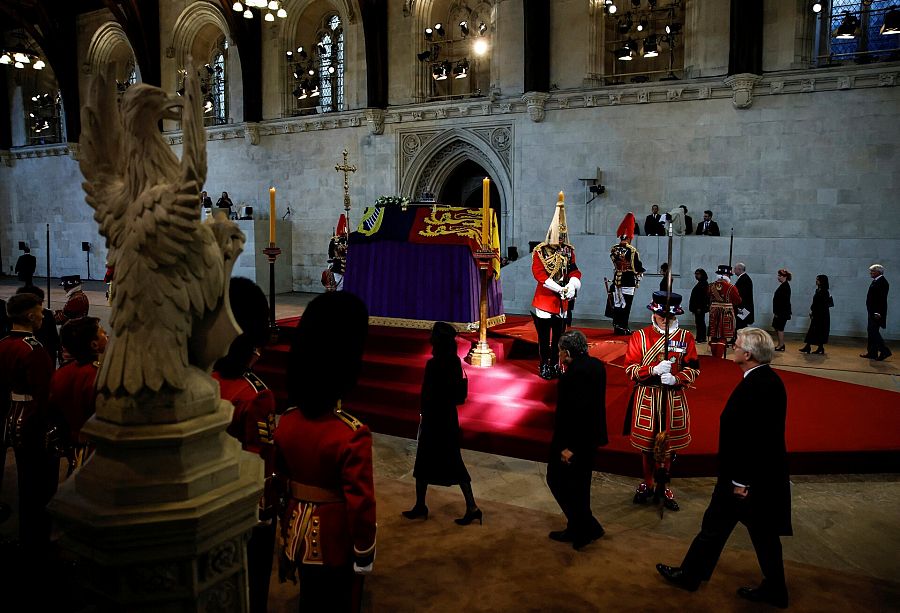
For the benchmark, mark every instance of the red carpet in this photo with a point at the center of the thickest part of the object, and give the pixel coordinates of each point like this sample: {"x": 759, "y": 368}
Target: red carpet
{"x": 833, "y": 427}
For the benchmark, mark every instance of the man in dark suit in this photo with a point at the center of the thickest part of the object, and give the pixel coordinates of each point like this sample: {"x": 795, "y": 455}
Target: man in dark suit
{"x": 654, "y": 225}
{"x": 580, "y": 428}
{"x": 744, "y": 285}
{"x": 25, "y": 267}
{"x": 753, "y": 485}
{"x": 876, "y": 305}
{"x": 707, "y": 227}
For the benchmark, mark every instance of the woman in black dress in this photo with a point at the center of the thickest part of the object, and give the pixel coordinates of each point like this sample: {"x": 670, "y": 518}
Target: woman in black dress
{"x": 819, "y": 317}
{"x": 699, "y": 303}
{"x": 438, "y": 458}
{"x": 781, "y": 305}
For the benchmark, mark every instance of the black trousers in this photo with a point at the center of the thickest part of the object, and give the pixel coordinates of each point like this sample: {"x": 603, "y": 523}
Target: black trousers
{"x": 719, "y": 520}
{"x": 700, "y": 321}
{"x": 326, "y": 588}
{"x": 876, "y": 344}
{"x": 548, "y": 330}
{"x": 621, "y": 316}
{"x": 260, "y": 553}
{"x": 570, "y": 485}
{"x": 38, "y": 476}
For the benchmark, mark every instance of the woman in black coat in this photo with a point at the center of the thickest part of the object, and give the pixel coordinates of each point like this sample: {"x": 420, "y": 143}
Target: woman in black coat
{"x": 781, "y": 305}
{"x": 819, "y": 317}
{"x": 699, "y": 303}
{"x": 438, "y": 458}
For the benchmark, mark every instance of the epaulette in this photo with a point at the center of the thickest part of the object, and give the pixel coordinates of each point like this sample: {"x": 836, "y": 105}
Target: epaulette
{"x": 32, "y": 341}
{"x": 348, "y": 419}
{"x": 255, "y": 381}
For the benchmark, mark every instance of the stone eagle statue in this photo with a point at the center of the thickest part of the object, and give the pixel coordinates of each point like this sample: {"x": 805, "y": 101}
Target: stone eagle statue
{"x": 170, "y": 305}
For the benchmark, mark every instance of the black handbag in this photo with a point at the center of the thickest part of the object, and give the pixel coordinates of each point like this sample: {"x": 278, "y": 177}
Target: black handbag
{"x": 462, "y": 390}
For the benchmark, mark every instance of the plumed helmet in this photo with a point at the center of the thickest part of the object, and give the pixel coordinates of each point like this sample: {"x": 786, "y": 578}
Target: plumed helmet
{"x": 625, "y": 230}
{"x": 558, "y": 232}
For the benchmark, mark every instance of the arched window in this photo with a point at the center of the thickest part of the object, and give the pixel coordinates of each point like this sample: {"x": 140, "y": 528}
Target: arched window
{"x": 218, "y": 89}
{"x": 331, "y": 64}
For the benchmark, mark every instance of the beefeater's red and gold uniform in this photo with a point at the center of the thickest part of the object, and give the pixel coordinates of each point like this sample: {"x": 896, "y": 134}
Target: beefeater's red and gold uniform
{"x": 645, "y": 350}
{"x": 327, "y": 461}
{"x": 723, "y": 298}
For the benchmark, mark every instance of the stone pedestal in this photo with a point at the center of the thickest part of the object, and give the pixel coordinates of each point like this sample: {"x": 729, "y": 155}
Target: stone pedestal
{"x": 159, "y": 516}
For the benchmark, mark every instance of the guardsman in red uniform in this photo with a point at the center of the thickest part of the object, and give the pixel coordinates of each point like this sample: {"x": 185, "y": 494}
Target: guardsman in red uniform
{"x": 723, "y": 298}
{"x": 658, "y": 417}
{"x": 325, "y": 458}
{"x": 558, "y": 280}
{"x": 76, "y": 305}
{"x": 72, "y": 394}
{"x": 252, "y": 423}
{"x": 25, "y": 371}
{"x": 333, "y": 276}
{"x": 628, "y": 270}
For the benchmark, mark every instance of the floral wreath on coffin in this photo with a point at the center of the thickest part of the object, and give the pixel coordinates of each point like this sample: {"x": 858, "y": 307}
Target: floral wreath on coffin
{"x": 386, "y": 201}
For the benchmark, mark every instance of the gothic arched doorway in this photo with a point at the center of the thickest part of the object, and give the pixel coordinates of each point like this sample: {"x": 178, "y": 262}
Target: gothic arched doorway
{"x": 463, "y": 187}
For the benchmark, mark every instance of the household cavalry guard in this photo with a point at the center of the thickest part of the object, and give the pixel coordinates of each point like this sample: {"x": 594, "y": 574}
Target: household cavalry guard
{"x": 558, "y": 279}
{"x": 723, "y": 298}
{"x": 658, "y": 419}
{"x": 333, "y": 276}
{"x": 627, "y": 276}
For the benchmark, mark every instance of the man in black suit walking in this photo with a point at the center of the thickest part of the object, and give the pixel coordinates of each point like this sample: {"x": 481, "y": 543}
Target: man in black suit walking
{"x": 744, "y": 285}
{"x": 25, "y": 267}
{"x": 753, "y": 485}
{"x": 876, "y": 305}
{"x": 580, "y": 428}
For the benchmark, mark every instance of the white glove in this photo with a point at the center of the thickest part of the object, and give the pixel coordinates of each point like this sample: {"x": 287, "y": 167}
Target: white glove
{"x": 363, "y": 570}
{"x": 668, "y": 378}
{"x": 570, "y": 292}
{"x": 553, "y": 286}
{"x": 663, "y": 367}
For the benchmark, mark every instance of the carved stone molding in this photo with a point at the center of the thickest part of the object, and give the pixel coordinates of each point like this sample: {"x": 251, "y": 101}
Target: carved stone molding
{"x": 375, "y": 120}
{"x": 251, "y": 133}
{"x": 40, "y": 151}
{"x": 9, "y": 160}
{"x": 742, "y": 88}
{"x": 535, "y": 102}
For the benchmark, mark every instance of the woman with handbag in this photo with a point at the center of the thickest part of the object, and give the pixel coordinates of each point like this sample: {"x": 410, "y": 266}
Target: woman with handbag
{"x": 438, "y": 458}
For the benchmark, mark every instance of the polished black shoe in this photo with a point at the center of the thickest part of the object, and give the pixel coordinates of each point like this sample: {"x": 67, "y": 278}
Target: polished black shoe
{"x": 884, "y": 355}
{"x": 761, "y": 594}
{"x": 779, "y": 348}
{"x": 820, "y": 351}
{"x": 642, "y": 494}
{"x": 805, "y": 349}
{"x": 416, "y": 513}
{"x": 868, "y": 356}
{"x": 595, "y": 533}
{"x": 676, "y": 576}
{"x": 561, "y": 536}
{"x": 469, "y": 517}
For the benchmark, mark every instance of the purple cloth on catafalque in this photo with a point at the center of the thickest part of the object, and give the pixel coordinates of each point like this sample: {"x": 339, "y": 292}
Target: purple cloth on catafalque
{"x": 411, "y": 281}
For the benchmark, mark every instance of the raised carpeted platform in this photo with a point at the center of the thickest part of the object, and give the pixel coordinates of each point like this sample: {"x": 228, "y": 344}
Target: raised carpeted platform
{"x": 833, "y": 427}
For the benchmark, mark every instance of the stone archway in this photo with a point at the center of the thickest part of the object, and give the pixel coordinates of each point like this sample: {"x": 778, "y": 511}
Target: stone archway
{"x": 428, "y": 158}
{"x": 109, "y": 44}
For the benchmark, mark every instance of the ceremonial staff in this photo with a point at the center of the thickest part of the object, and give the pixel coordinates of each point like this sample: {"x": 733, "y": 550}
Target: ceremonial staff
{"x": 730, "y": 247}
{"x": 660, "y": 445}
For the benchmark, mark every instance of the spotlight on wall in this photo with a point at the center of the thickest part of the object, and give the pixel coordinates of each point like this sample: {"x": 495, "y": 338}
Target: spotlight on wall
{"x": 482, "y": 28}
{"x": 609, "y": 8}
{"x": 480, "y": 47}
{"x": 461, "y": 70}
{"x": 642, "y": 24}
{"x": 464, "y": 28}
{"x": 439, "y": 30}
{"x": 651, "y": 49}
{"x": 673, "y": 28}
{"x": 848, "y": 28}
{"x": 624, "y": 54}
{"x": 891, "y": 23}
{"x": 429, "y": 34}
{"x": 624, "y": 24}
{"x": 816, "y": 7}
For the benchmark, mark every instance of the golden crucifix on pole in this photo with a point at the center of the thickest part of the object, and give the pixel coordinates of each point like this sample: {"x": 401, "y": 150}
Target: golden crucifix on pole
{"x": 346, "y": 169}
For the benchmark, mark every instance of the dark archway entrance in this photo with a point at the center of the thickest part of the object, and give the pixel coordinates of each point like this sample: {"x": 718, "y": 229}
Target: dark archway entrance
{"x": 463, "y": 188}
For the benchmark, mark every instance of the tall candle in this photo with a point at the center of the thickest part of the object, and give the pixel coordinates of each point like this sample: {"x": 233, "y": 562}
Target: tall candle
{"x": 272, "y": 216}
{"x": 486, "y": 213}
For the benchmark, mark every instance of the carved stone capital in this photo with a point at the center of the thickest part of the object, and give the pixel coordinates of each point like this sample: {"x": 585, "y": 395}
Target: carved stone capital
{"x": 535, "y": 102}
{"x": 251, "y": 132}
{"x": 742, "y": 88}
{"x": 74, "y": 149}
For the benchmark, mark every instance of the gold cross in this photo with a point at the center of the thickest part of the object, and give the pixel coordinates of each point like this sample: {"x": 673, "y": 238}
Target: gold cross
{"x": 346, "y": 169}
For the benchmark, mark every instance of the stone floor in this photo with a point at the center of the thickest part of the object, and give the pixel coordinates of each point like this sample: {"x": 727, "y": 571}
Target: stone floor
{"x": 850, "y": 523}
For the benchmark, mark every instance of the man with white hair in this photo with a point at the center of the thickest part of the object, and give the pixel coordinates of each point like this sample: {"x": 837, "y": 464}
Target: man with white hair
{"x": 876, "y": 305}
{"x": 753, "y": 485}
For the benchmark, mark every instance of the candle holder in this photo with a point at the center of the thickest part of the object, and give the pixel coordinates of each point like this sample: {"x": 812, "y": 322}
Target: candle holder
{"x": 481, "y": 354}
{"x": 272, "y": 252}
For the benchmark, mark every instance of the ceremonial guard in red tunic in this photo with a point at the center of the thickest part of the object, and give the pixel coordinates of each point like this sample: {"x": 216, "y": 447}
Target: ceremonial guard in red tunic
{"x": 558, "y": 280}
{"x": 628, "y": 270}
{"x": 333, "y": 276}
{"x": 723, "y": 298}
{"x": 658, "y": 417}
{"x": 25, "y": 371}
{"x": 72, "y": 394}
{"x": 77, "y": 304}
{"x": 324, "y": 455}
{"x": 252, "y": 423}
